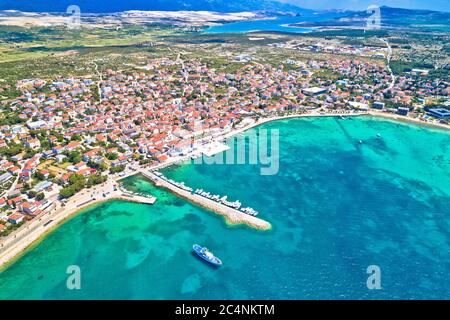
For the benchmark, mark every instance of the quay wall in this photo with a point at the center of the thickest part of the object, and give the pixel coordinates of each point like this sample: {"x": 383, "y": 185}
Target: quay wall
{"x": 231, "y": 215}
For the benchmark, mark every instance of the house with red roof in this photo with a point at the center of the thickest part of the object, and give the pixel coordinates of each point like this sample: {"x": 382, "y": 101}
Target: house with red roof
{"x": 120, "y": 161}
{"x": 58, "y": 149}
{"x": 45, "y": 173}
{"x": 79, "y": 166}
{"x": 29, "y": 208}
{"x": 15, "y": 201}
{"x": 162, "y": 157}
{"x": 73, "y": 145}
{"x": 33, "y": 143}
{"x": 29, "y": 167}
{"x": 100, "y": 137}
{"x": 65, "y": 178}
{"x": 92, "y": 155}
{"x": 7, "y": 165}
{"x": 16, "y": 218}
{"x": 14, "y": 170}
{"x": 25, "y": 176}
{"x": 86, "y": 171}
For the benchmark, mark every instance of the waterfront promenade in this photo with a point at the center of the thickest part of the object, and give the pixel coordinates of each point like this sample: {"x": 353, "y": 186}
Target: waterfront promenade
{"x": 231, "y": 215}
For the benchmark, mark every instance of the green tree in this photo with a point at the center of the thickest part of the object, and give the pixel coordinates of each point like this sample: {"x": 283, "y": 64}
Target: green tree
{"x": 117, "y": 169}
{"x": 75, "y": 137}
{"x": 67, "y": 192}
{"x": 96, "y": 179}
{"x": 32, "y": 193}
{"x": 74, "y": 156}
{"x": 112, "y": 156}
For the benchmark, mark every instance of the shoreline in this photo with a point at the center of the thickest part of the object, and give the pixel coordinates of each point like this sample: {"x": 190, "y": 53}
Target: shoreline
{"x": 406, "y": 119}
{"x": 8, "y": 258}
{"x": 55, "y": 219}
{"x": 37, "y": 230}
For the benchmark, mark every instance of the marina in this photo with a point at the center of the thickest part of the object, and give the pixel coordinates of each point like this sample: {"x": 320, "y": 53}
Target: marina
{"x": 217, "y": 198}
{"x": 232, "y": 204}
{"x": 230, "y": 210}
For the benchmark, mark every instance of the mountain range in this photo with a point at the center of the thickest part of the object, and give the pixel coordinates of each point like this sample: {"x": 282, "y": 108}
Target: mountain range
{"x": 398, "y": 13}
{"x": 389, "y": 17}
{"x": 97, "y": 6}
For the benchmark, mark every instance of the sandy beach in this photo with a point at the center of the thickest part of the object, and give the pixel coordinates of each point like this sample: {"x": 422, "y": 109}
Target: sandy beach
{"x": 401, "y": 118}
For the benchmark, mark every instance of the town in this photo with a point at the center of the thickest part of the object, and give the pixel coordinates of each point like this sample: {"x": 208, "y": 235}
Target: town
{"x": 63, "y": 135}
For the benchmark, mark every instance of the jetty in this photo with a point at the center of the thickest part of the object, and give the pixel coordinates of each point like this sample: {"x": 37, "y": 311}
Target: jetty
{"x": 232, "y": 216}
{"x": 136, "y": 198}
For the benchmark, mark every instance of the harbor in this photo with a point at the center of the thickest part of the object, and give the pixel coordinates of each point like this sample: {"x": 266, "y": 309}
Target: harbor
{"x": 224, "y": 200}
{"x": 220, "y": 205}
{"x": 207, "y": 195}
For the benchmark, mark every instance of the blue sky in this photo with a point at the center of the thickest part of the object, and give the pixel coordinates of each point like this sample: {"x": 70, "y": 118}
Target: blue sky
{"x": 441, "y": 5}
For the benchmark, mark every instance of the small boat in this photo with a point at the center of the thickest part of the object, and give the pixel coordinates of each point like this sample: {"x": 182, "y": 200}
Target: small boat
{"x": 378, "y": 135}
{"x": 360, "y": 141}
{"x": 206, "y": 255}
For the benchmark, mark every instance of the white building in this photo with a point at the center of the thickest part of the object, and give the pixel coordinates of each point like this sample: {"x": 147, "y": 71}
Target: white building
{"x": 36, "y": 124}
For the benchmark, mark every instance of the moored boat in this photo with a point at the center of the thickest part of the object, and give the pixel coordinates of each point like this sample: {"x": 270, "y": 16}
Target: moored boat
{"x": 206, "y": 255}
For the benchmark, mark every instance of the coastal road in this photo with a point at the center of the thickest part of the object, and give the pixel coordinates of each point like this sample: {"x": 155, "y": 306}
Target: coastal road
{"x": 98, "y": 82}
{"x": 14, "y": 184}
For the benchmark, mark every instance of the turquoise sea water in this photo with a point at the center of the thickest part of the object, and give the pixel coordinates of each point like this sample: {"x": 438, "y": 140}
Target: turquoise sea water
{"x": 336, "y": 207}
